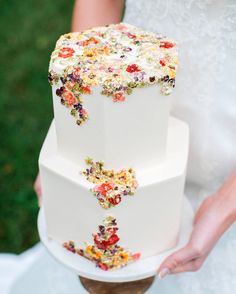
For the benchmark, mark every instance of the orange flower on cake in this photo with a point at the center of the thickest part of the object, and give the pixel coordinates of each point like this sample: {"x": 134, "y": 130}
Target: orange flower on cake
{"x": 66, "y": 52}
{"x": 118, "y": 96}
{"x": 166, "y": 45}
{"x": 69, "y": 98}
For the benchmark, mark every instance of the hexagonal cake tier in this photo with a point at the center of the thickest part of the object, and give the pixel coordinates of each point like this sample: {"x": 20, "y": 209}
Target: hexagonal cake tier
{"x": 148, "y": 220}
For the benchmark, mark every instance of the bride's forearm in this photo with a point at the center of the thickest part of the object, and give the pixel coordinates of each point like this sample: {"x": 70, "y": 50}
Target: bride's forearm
{"x": 227, "y": 196}
{"x": 89, "y": 13}
{"x": 214, "y": 216}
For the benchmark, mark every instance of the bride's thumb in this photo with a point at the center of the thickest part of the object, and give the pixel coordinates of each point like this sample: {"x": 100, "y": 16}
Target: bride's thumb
{"x": 175, "y": 260}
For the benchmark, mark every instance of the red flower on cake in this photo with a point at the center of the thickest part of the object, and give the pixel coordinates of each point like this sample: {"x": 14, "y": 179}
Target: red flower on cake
{"x": 115, "y": 200}
{"x": 118, "y": 96}
{"x": 104, "y": 188}
{"x": 66, "y": 52}
{"x": 132, "y": 68}
{"x": 162, "y": 62}
{"x": 76, "y": 71}
{"x": 93, "y": 40}
{"x": 104, "y": 244}
{"x": 86, "y": 90}
{"x": 69, "y": 247}
{"x": 100, "y": 244}
{"x": 113, "y": 240}
{"x": 166, "y": 44}
{"x": 131, "y": 36}
{"x": 102, "y": 266}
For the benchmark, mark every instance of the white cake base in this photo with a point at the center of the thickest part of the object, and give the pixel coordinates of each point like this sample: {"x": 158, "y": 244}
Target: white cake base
{"x": 141, "y": 269}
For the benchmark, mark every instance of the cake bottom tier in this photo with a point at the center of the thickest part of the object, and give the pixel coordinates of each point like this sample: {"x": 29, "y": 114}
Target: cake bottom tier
{"x": 148, "y": 222}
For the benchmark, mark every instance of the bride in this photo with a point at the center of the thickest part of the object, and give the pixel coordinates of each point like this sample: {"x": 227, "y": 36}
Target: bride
{"x": 205, "y": 31}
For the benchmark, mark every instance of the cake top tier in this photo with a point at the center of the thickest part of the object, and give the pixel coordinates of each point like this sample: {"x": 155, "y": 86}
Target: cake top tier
{"x": 117, "y": 57}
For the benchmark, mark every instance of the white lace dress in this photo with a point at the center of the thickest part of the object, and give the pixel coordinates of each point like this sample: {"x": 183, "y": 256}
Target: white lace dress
{"x": 205, "y": 97}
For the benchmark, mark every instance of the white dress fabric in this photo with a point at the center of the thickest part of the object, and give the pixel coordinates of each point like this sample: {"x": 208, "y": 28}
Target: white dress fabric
{"x": 205, "y": 97}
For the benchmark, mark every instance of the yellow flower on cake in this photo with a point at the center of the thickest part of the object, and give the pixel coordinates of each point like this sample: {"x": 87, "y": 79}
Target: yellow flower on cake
{"x": 90, "y": 53}
{"x": 89, "y": 80}
{"x": 103, "y": 50}
{"x": 123, "y": 177}
{"x": 124, "y": 256}
{"x": 171, "y": 72}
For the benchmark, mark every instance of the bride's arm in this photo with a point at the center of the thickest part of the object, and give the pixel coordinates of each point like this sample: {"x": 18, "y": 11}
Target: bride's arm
{"x": 89, "y": 13}
{"x": 86, "y": 14}
{"x": 215, "y": 215}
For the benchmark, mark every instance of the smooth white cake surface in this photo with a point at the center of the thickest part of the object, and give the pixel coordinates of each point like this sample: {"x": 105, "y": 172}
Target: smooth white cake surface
{"x": 116, "y": 130}
{"x": 144, "y": 268}
{"x": 148, "y": 221}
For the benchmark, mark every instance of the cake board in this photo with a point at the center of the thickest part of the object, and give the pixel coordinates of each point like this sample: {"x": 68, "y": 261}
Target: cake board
{"x": 140, "y": 270}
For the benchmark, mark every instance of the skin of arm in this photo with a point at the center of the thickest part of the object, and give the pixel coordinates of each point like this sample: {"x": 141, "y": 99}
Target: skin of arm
{"x": 90, "y": 13}
{"x": 214, "y": 216}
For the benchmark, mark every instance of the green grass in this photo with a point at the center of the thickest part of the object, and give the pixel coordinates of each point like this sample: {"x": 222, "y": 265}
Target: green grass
{"x": 28, "y": 33}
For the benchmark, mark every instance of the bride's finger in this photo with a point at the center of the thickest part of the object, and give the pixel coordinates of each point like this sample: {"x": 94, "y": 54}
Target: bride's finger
{"x": 38, "y": 190}
{"x": 177, "y": 259}
{"x": 191, "y": 266}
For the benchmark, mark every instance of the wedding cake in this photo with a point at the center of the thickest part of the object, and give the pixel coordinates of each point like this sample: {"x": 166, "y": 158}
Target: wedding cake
{"x": 113, "y": 163}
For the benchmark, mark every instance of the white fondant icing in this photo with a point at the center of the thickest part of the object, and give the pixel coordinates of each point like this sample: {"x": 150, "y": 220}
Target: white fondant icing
{"x": 116, "y": 130}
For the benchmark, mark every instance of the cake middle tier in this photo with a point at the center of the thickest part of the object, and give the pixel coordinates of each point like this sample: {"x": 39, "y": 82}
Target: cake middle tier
{"x": 125, "y": 133}
{"x": 148, "y": 221}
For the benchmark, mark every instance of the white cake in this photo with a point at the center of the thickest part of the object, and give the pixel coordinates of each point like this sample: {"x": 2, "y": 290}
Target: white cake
{"x": 119, "y": 155}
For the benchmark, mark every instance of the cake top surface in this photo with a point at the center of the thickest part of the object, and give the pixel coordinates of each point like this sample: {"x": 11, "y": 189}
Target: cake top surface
{"x": 117, "y": 57}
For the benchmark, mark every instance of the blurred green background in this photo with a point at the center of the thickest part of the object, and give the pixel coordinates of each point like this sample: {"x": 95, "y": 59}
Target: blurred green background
{"x": 28, "y": 32}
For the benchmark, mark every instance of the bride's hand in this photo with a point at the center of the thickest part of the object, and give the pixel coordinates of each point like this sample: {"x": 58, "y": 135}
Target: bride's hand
{"x": 215, "y": 215}
{"x": 37, "y": 189}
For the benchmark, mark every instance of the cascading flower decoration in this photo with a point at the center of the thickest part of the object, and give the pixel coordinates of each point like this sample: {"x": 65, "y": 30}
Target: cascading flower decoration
{"x": 110, "y": 186}
{"x": 105, "y": 252}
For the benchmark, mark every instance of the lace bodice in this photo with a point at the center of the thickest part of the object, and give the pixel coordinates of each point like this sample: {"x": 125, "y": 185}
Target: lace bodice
{"x": 205, "y": 94}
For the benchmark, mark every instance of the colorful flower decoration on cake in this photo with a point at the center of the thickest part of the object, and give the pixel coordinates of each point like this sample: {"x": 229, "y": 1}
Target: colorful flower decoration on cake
{"x": 117, "y": 57}
{"x": 110, "y": 186}
{"x": 105, "y": 252}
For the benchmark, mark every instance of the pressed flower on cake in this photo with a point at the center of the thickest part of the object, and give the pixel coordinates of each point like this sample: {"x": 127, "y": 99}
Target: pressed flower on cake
{"x": 105, "y": 252}
{"x": 110, "y": 186}
{"x": 66, "y": 52}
